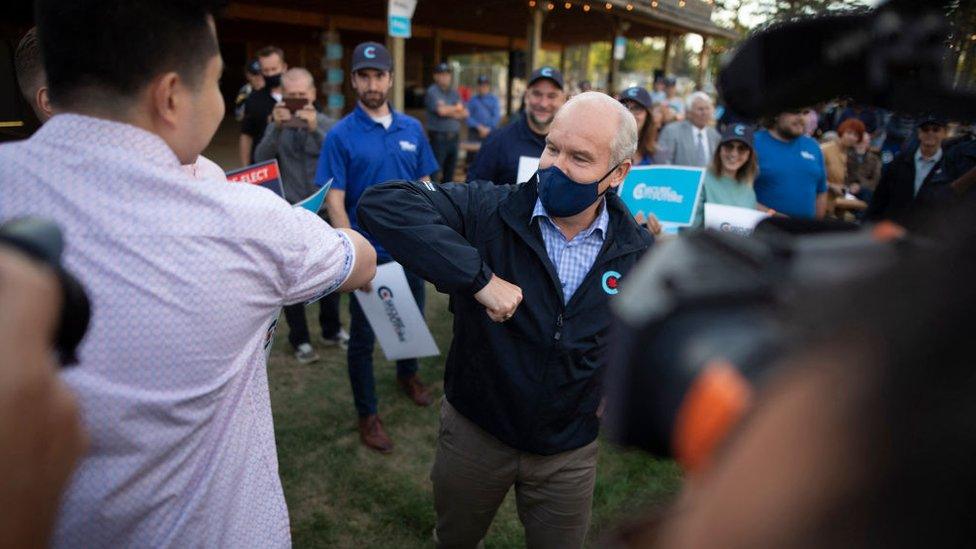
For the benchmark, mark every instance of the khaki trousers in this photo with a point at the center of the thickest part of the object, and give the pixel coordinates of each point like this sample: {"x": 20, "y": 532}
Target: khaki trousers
{"x": 473, "y": 472}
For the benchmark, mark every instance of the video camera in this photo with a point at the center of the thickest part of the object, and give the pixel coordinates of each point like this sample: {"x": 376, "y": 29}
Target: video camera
{"x": 42, "y": 241}
{"x": 701, "y": 322}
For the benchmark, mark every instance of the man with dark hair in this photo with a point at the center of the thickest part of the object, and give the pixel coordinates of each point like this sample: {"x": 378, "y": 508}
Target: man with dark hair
{"x": 445, "y": 111}
{"x": 30, "y": 75}
{"x": 373, "y": 144}
{"x": 185, "y": 276}
{"x": 258, "y": 105}
{"x": 792, "y": 178}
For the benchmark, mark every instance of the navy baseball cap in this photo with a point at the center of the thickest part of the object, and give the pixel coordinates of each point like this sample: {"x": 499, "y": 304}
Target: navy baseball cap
{"x": 932, "y": 119}
{"x": 371, "y": 55}
{"x": 484, "y": 79}
{"x": 670, "y": 81}
{"x": 738, "y": 132}
{"x": 253, "y": 66}
{"x": 637, "y": 94}
{"x": 441, "y": 67}
{"x": 549, "y": 73}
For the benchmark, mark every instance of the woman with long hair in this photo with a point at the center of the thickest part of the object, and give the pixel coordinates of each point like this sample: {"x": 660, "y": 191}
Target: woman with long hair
{"x": 638, "y": 102}
{"x": 729, "y": 177}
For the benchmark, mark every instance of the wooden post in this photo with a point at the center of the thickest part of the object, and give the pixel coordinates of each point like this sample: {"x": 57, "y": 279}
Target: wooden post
{"x": 437, "y": 47}
{"x": 619, "y": 29}
{"x": 534, "y": 36}
{"x": 562, "y": 59}
{"x": 666, "y": 61}
{"x": 399, "y": 63}
{"x": 703, "y": 62}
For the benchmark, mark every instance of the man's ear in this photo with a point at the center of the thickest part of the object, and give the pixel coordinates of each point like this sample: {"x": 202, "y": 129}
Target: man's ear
{"x": 618, "y": 175}
{"x": 42, "y": 103}
{"x": 166, "y": 96}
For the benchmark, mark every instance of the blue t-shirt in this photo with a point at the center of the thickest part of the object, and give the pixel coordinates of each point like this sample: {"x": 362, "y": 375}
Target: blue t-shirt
{"x": 791, "y": 174}
{"x": 498, "y": 159}
{"x": 359, "y": 153}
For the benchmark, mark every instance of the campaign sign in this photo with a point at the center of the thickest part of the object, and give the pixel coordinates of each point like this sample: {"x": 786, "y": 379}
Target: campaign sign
{"x": 265, "y": 174}
{"x": 314, "y": 202}
{"x": 732, "y": 219}
{"x": 393, "y": 314}
{"x": 668, "y": 192}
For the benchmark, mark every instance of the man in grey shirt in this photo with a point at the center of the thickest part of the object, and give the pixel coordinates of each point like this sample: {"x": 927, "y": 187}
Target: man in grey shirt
{"x": 445, "y": 111}
{"x": 295, "y": 139}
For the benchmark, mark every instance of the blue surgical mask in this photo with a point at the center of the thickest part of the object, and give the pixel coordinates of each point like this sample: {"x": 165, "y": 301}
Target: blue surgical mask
{"x": 563, "y": 197}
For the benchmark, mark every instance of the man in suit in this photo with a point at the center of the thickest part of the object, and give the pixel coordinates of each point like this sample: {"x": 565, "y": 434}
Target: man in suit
{"x": 692, "y": 141}
{"x": 908, "y": 178}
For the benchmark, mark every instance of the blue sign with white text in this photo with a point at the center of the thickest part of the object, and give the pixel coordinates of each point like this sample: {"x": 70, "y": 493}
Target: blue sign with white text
{"x": 399, "y": 26}
{"x": 668, "y": 192}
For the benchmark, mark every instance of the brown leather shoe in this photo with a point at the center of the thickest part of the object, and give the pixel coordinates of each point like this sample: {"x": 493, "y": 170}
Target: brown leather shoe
{"x": 372, "y": 435}
{"x": 415, "y": 390}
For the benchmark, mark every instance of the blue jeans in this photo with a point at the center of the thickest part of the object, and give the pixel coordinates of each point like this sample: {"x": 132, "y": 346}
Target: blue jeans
{"x": 360, "y": 354}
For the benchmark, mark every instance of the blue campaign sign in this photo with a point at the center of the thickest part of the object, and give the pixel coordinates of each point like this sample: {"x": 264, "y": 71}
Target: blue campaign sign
{"x": 399, "y": 26}
{"x": 668, "y": 192}
{"x": 314, "y": 202}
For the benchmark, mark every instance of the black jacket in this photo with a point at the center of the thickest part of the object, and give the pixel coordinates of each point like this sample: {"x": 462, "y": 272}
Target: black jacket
{"x": 894, "y": 198}
{"x": 533, "y": 382}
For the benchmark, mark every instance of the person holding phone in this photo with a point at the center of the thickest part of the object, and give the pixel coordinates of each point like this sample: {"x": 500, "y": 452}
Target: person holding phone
{"x": 295, "y": 138}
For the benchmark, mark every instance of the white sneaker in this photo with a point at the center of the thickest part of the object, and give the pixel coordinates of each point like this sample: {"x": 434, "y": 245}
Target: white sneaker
{"x": 341, "y": 339}
{"x": 305, "y": 354}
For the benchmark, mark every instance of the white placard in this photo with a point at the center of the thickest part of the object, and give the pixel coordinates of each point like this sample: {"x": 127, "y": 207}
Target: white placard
{"x": 527, "y": 167}
{"x": 395, "y": 317}
{"x": 732, "y": 219}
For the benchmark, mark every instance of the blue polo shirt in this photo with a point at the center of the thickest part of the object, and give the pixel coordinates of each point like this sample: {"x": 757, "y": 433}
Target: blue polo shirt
{"x": 791, "y": 174}
{"x": 359, "y": 152}
{"x": 498, "y": 159}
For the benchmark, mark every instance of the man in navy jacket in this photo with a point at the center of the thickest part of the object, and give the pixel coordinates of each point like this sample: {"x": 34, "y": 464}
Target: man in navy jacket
{"x": 531, "y": 270}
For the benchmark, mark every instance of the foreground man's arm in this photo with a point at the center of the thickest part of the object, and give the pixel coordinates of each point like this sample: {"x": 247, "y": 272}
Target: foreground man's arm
{"x": 423, "y": 226}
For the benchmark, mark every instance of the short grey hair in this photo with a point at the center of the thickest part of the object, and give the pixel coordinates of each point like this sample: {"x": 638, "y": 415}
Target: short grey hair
{"x": 296, "y": 73}
{"x": 699, "y": 96}
{"x": 624, "y": 143}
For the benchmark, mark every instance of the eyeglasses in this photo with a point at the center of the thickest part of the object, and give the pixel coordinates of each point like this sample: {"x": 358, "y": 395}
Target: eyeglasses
{"x": 736, "y": 146}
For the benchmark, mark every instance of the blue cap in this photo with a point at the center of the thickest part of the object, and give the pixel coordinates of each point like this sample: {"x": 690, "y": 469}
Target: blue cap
{"x": 253, "y": 66}
{"x": 441, "y": 67}
{"x": 371, "y": 55}
{"x": 483, "y": 79}
{"x": 670, "y": 81}
{"x": 548, "y": 73}
{"x": 738, "y": 132}
{"x": 932, "y": 119}
{"x": 637, "y": 94}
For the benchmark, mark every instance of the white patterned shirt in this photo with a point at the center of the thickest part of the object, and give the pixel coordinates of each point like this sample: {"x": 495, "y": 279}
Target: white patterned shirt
{"x": 574, "y": 258}
{"x": 185, "y": 275}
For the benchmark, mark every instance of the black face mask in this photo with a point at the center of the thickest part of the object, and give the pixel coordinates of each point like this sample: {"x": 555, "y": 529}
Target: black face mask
{"x": 273, "y": 80}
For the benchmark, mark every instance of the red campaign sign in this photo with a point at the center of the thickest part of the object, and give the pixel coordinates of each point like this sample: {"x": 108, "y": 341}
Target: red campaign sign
{"x": 264, "y": 174}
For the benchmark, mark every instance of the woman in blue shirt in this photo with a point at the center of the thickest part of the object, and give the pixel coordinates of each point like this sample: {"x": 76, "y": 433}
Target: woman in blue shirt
{"x": 638, "y": 102}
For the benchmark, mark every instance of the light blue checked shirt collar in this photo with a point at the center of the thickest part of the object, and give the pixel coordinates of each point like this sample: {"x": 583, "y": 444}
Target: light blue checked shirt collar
{"x": 574, "y": 258}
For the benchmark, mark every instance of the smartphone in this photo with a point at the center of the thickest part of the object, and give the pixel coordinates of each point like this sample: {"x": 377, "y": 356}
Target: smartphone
{"x": 295, "y": 103}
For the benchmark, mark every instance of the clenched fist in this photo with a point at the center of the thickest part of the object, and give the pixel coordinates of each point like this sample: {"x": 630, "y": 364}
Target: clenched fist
{"x": 500, "y": 298}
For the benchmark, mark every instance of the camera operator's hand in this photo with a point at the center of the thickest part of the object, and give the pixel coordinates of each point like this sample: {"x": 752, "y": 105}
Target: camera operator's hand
{"x": 307, "y": 113}
{"x": 500, "y": 298}
{"x": 41, "y": 437}
{"x": 280, "y": 115}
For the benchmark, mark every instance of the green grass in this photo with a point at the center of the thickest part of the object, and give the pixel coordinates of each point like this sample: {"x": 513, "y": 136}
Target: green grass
{"x": 342, "y": 495}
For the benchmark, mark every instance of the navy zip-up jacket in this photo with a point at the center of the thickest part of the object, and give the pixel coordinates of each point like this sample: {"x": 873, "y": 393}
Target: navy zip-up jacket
{"x": 533, "y": 382}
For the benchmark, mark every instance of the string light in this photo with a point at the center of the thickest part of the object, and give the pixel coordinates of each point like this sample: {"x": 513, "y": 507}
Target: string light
{"x": 586, "y": 7}
{"x": 630, "y": 7}
{"x": 550, "y": 6}
{"x": 567, "y": 5}
{"x": 681, "y": 3}
{"x": 531, "y": 3}
{"x": 609, "y": 6}
{"x": 654, "y": 4}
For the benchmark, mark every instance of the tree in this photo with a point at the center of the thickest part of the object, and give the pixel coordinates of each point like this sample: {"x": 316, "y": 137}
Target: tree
{"x": 786, "y": 10}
